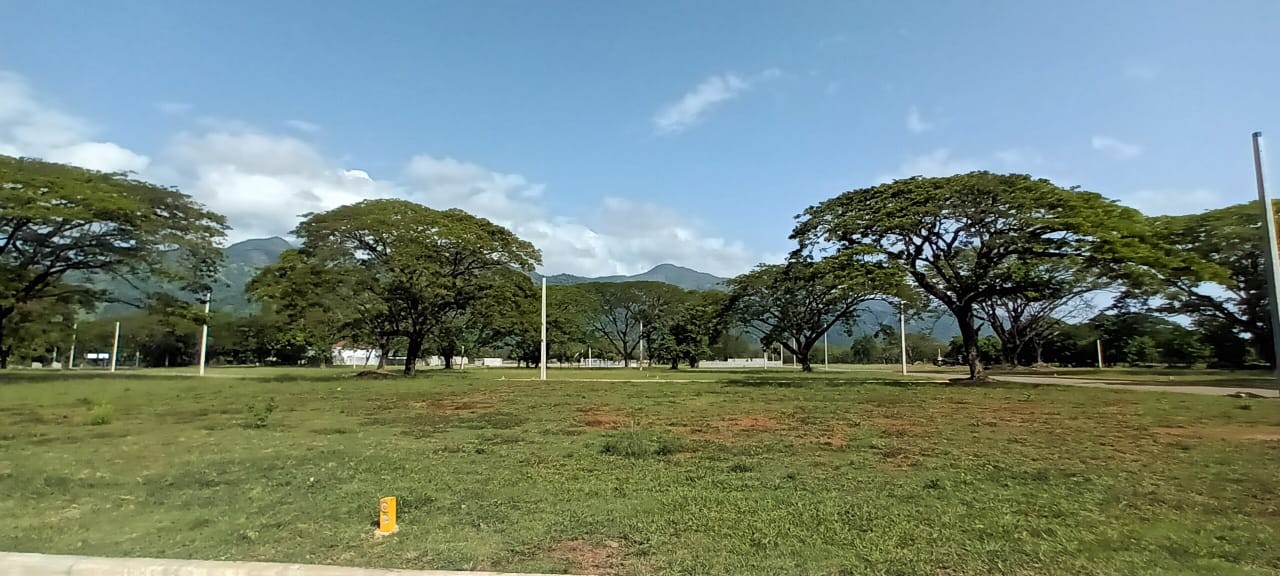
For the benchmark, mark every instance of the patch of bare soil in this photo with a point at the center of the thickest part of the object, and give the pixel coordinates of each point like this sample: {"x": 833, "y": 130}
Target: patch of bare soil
{"x": 588, "y": 557}
{"x": 377, "y": 375}
{"x": 600, "y": 418}
{"x": 1260, "y": 433}
{"x": 899, "y": 427}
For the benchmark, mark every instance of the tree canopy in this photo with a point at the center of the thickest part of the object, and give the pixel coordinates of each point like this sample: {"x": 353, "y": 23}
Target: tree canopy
{"x": 422, "y": 267}
{"x": 796, "y": 303}
{"x": 960, "y": 238}
{"x": 60, "y": 226}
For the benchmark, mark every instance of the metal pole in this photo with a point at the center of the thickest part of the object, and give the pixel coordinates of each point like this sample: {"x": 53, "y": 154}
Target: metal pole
{"x": 640, "y": 362}
{"x": 204, "y": 332}
{"x": 71, "y": 358}
{"x": 115, "y": 345}
{"x": 825, "y": 355}
{"x": 589, "y": 362}
{"x": 542, "y": 366}
{"x": 1099, "y": 354}
{"x": 1272, "y": 254}
{"x": 902, "y": 334}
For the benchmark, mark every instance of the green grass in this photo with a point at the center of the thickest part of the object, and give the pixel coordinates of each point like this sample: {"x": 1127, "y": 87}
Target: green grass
{"x": 742, "y": 473}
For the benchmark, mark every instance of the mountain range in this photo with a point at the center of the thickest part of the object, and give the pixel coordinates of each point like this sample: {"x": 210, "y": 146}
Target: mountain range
{"x": 245, "y": 258}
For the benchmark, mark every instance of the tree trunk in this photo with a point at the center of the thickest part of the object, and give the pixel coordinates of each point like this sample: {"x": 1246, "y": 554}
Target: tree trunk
{"x": 383, "y": 351}
{"x": 411, "y": 355}
{"x": 675, "y": 363}
{"x": 969, "y": 333}
{"x": 804, "y": 363}
{"x": 5, "y": 349}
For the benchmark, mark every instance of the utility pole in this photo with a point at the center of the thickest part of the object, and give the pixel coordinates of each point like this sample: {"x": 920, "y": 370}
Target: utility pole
{"x": 640, "y": 362}
{"x": 1272, "y": 254}
{"x": 902, "y": 334}
{"x": 1099, "y": 354}
{"x": 542, "y": 365}
{"x": 204, "y": 332}
{"x": 115, "y": 345}
{"x": 825, "y": 355}
{"x": 71, "y": 358}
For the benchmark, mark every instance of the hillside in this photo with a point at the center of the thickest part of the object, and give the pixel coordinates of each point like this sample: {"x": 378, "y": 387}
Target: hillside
{"x": 685, "y": 278}
{"x": 244, "y": 259}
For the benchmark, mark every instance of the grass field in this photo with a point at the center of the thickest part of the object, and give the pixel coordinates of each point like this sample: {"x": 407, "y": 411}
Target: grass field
{"x": 726, "y": 473}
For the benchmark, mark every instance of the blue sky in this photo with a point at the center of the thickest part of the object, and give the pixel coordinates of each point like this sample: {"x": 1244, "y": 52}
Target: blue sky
{"x": 617, "y": 136}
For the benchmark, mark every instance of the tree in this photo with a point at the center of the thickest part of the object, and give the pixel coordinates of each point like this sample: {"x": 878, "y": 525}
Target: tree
{"x": 795, "y": 303}
{"x": 1050, "y": 289}
{"x": 695, "y": 324}
{"x": 320, "y": 298}
{"x": 425, "y": 266}
{"x": 625, "y": 314}
{"x": 959, "y": 238}
{"x": 1215, "y": 273}
{"x": 1141, "y": 350}
{"x": 60, "y": 226}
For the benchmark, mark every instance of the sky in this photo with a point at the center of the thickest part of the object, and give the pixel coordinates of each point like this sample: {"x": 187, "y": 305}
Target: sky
{"x": 620, "y": 135}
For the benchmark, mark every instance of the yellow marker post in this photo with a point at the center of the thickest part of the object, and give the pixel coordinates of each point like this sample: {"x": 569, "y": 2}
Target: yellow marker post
{"x": 387, "y": 516}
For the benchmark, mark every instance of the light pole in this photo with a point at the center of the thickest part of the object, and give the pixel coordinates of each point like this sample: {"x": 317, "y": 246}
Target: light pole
{"x": 1271, "y": 254}
{"x": 71, "y": 359}
{"x": 115, "y": 346}
{"x": 204, "y": 331}
{"x": 902, "y": 333}
{"x": 542, "y": 365}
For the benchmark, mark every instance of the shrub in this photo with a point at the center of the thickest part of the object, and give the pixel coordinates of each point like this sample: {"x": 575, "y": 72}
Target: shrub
{"x": 640, "y": 444}
{"x": 101, "y": 414}
{"x": 258, "y": 415}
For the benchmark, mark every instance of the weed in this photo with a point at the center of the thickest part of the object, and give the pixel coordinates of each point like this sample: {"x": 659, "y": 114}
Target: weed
{"x": 259, "y": 415}
{"x": 637, "y": 443}
{"x": 101, "y": 414}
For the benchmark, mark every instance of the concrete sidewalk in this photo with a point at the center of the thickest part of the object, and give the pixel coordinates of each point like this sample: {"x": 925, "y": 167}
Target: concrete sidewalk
{"x": 21, "y": 564}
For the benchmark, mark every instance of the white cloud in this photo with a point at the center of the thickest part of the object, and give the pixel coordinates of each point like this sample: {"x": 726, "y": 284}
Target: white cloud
{"x": 263, "y": 182}
{"x": 173, "y": 108}
{"x": 916, "y": 123}
{"x": 1116, "y": 148}
{"x": 304, "y": 126}
{"x": 939, "y": 162}
{"x": 103, "y": 156}
{"x": 1019, "y": 158}
{"x": 694, "y": 105}
{"x": 1154, "y": 202}
{"x": 32, "y": 127}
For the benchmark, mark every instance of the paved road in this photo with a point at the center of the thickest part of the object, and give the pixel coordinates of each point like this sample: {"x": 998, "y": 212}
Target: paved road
{"x": 18, "y": 564}
{"x": 1207, "y": 390}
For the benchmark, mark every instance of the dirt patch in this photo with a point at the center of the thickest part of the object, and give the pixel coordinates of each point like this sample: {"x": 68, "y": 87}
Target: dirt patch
{"x": 465, "y": 405}
{"x": 1230, "y": 433}
{"x": 750, "y": 422}
{"x": 898, "y": 458}
{"x": 377, "y": 375}
{"x": 899, "y": 427}
{"x": 837, "y": 437}
{"x": 603, "y": 421}
{"x": 588, "y": 557}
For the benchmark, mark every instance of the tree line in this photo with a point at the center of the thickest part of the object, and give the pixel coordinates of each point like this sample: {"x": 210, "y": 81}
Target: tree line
{"x": 1031, "y": 272}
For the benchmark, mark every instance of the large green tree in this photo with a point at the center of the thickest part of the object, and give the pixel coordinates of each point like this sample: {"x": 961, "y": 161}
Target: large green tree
{"x": 60, "y": 226}
{"x": 426, "y": 266}
{"x": 960, "y": 238}
{"x": 1216, "y": 273}
{"x": 796, "y": 303}
{"x": 624, "y": 314}
{"x": 1050, "y": 289}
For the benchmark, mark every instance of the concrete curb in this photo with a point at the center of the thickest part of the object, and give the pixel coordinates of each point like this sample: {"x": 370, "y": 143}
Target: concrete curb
{"x": 22, "y": 564}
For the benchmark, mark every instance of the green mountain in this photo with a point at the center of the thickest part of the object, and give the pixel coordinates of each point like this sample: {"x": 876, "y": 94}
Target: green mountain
{"x": 244, "y": 259}
{"x": 686, "y": 278}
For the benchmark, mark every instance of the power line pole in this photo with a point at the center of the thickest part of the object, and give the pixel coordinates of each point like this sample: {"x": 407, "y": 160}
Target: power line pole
{"x": 71, "y": 358}
{"x": 1272, "y": 255}
{"x": 1099, "y": 354}
{"x": 115, "y": 345}
{"x": 542, "y": 365}
{"x": 825, "y": 365}
{"x": 902, "y": 334}
{"x": 204, "y": 331}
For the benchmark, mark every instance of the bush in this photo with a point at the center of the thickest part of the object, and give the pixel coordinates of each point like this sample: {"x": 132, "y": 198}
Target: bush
{"x": 258, "y": 416}
{"x": 640, "y": 444}
{"x": 101, "y": 414}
